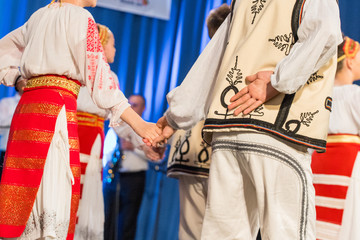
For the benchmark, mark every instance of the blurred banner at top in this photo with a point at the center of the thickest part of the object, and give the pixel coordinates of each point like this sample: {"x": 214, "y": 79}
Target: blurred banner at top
{"x": 150, "y": 8}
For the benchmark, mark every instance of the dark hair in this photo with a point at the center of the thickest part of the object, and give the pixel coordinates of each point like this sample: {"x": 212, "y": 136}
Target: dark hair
{"x": 216, "y": 17}
{"x": 139, "y": 95}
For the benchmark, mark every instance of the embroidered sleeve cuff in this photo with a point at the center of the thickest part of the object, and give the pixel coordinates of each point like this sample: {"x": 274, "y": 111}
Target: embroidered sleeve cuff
{"x": 116, "y": 112}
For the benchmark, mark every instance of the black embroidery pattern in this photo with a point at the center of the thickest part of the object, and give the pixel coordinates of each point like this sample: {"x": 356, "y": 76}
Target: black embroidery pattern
{"x": 256, "y": 8}
{"x": 308, "y": 117}
{"x": 293, "y": 126}
{"x": 233, "y": 77}
{"x": 176, "y": 146}
{"x": 283, "y": 42}
{"x": 203, "y": 156}
{"x": 314, "y": 77}
{"x": 258, "y": 112}
{"x": 182, "y": 148}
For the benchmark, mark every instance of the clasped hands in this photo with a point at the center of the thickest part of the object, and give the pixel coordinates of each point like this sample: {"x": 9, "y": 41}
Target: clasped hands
{"x": 258, "y": 91}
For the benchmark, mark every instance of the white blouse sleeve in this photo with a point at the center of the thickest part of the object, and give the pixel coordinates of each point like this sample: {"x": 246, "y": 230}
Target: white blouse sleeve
{"x": 97, "y": 74}
{"x": 11, "y": 49}
{"x": 189, "y": 102}
{"x": 319, "y": 35}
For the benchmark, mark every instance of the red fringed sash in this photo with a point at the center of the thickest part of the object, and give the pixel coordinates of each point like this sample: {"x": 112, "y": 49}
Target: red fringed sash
{"x": 89, "y": 126}
{"x": 339, "y": 159}
{"x": 31, "y": 133}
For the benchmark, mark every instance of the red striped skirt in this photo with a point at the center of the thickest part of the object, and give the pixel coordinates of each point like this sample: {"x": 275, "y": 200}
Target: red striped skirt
{"x": 31, "y": 133}
{"x": 332, "y": 171}
{"x": 89, "y": 127}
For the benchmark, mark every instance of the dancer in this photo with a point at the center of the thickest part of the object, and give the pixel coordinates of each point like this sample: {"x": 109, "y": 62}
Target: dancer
{"x": 57, "y": 49}
{"x": 189, "y": 159}
{"x": 337, "y": 172}
{"x": 90, "y": 224}
{"x": 277, "y": 58}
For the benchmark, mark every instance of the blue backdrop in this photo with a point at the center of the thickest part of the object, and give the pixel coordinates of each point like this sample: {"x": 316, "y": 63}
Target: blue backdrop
{"x": 153, "y": 56}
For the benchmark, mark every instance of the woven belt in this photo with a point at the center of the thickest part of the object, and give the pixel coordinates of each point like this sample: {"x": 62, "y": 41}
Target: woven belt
{"x": 88, "y": 119}
{"x": 343, "y": 138}
{"x": 52, "y": 81}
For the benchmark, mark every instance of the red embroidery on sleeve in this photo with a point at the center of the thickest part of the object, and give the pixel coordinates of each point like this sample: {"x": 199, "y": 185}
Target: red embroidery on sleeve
{"x": 92, "y": 66}
{"x": 94, "y": 48}
{"x": 113, "y": 84}
{"x": 92, "y": 38}
{"x": 100, "y": 85}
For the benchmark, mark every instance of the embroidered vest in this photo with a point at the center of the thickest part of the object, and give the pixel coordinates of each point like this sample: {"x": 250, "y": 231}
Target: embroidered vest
{"x": 261, "y": 34}
{"x": 189, "y": 154}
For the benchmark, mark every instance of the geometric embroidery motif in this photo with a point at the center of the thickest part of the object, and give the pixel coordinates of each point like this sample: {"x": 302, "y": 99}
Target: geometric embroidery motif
{"x": 313, "y": 78}
{"x": 95, "y": 51}
{"x": 283, "y": 42}
{"x": 256, "y": 8}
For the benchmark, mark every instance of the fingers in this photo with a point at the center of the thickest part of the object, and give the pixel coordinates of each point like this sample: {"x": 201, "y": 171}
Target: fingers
{"x": 158, "y": 131}
{"x": 147, "y": 142}
{"x": 240, "y": 101}
{"x": 251, "y": 78}
{"x": 157, "y": 153}
{"x": 242, "y": 92}
{"x": 158, "y": 140}
{"x": 152, "y": 154}
{"x": 244, "y": 106}
{"x": 254, "y": 106}
{"x": 158, "y": 137}
{"x": 153, "y": 133}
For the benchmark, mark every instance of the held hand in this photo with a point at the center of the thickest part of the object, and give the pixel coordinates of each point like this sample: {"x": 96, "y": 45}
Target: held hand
{"x": 148, "y": 131}
{"x": 126, "y": 145}
{"x": 154, "y": 154}
{"x": 257, "y": 92}
{"x": 167, "y": 132}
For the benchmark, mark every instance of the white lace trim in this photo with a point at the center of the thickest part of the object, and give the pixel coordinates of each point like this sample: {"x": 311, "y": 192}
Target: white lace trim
{"x": 43, "y": 226}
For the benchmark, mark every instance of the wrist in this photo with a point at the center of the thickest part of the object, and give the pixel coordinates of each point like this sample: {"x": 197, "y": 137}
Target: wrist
{"x": 16, "y": 82}
{"x": 171, "y": 123}
{"x": 133, "y": 119}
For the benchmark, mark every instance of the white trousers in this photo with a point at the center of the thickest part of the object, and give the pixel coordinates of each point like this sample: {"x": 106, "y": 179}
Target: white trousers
{"x": 193, "y": 194}
{"x": 258, "y": 181}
